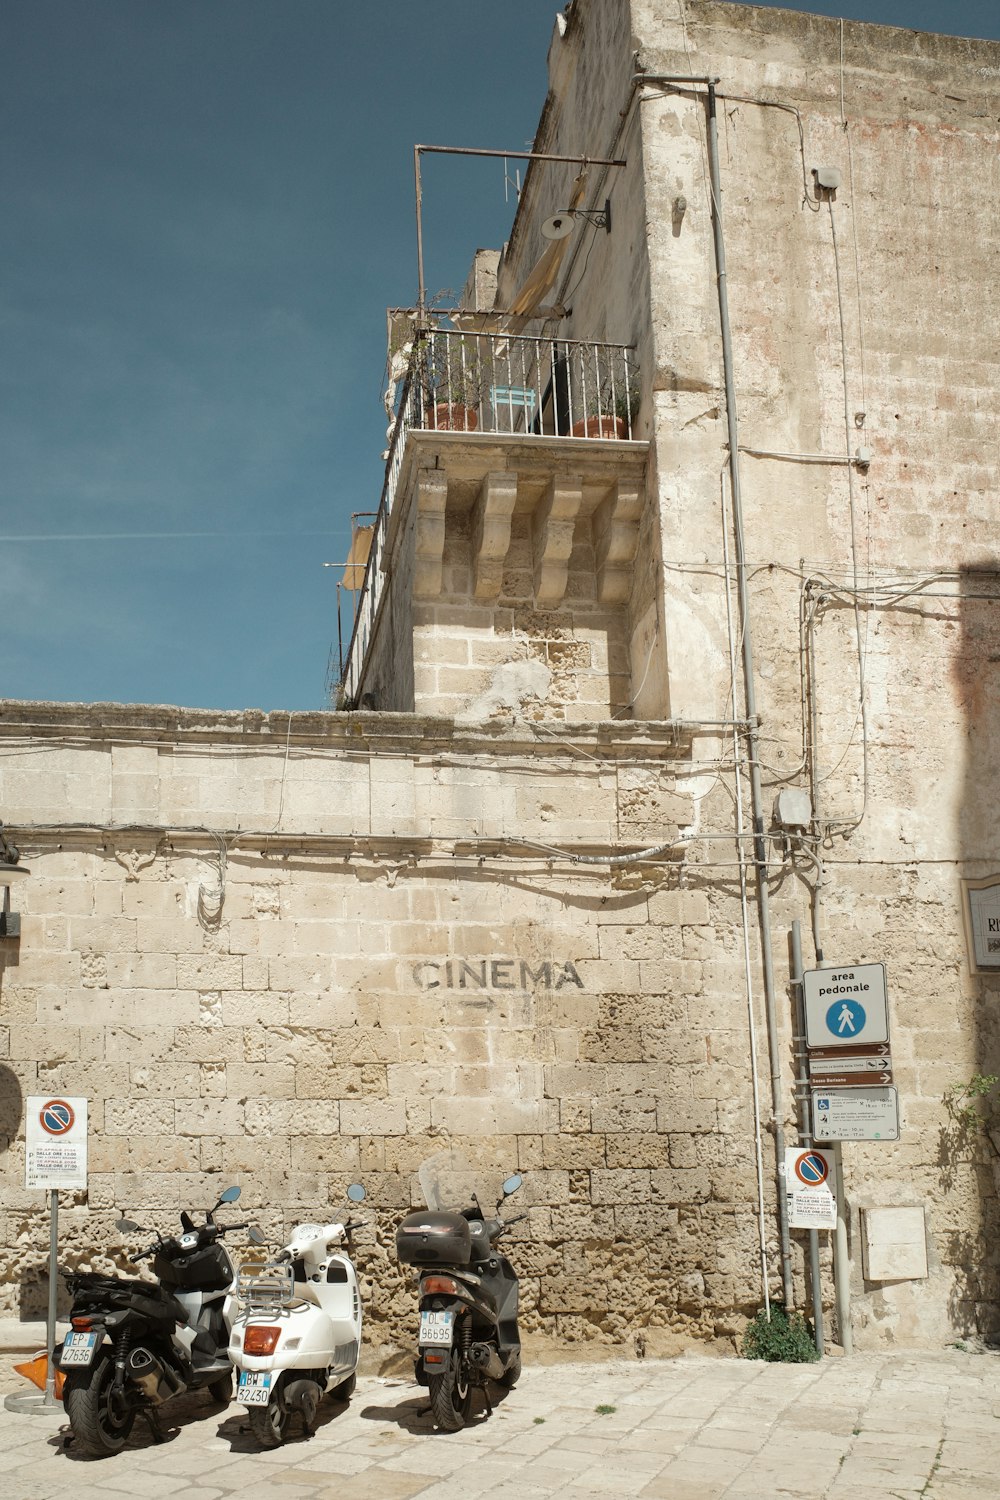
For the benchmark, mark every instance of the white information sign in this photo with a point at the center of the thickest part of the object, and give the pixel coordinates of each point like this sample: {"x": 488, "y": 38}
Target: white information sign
{"x": 983, "y": 921}
{"x": 809, "y": 1178}
{"x": 856, "y": 1115}
{"x": 55, "y": 1142}
{"x": 845, "y": 1005}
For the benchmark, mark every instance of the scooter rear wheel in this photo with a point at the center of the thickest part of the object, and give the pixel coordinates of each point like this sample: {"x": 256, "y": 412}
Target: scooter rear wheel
{"x": 100, "y": 1416}
{"x": 451, "y": 1396}
{"x": 269, "y": 1424}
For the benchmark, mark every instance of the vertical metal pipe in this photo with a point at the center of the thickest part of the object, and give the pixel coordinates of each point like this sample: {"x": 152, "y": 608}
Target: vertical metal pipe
{"x": 340, "y": 635}
{"x": 50, "y": 1328}
{"x": 842, "y": 1258}
{"x": 421, "y": 289}
{"x": 805, "y": 1127}
{"x": 753, "y": 745}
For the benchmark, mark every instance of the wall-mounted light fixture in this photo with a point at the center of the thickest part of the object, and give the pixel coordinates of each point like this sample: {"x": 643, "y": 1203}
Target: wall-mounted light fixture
{"x": 561, "y": 224}
{"x": 12, "y": 872}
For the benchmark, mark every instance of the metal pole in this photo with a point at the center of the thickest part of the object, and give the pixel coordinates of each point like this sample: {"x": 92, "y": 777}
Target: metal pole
{"x": 421, "y": 289}
{"x": 50, "y": 1336}
{"x": 580, "y": 161}
{"x": 753, "y": 745}
{"x": 805, "y": 1128}
{"x": 841, "y": 1257}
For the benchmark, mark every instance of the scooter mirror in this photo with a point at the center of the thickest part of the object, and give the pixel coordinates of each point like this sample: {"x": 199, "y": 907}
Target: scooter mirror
{"x": 356, "y": 1192}
{"x": 254, "y": 1236}
{"x": 126, "y": 1226}
{"x": 229, "y": 1196}
{"x": 512, "y": 1184}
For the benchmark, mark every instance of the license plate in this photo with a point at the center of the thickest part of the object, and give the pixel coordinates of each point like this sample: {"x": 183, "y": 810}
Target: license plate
{"x": 78, "y": 1349}
{"x": 255, "y": 1387}
{"x": 436, "y": 1328}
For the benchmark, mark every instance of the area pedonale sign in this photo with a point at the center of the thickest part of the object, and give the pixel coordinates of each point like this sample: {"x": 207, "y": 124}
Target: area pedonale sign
{"x": 846, "y": 1006}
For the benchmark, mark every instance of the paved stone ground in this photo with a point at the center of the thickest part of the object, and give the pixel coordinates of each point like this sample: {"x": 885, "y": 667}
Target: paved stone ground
{"x": 902, "y": 1425}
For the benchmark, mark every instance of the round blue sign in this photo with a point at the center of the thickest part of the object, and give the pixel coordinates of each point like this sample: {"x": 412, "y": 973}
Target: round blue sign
{"x": 811, "y": 1169}
{"x": 846, "y": 1018}
{"x": 57, "y": 1117}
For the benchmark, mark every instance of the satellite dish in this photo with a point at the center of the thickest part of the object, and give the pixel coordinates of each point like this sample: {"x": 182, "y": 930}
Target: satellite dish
{"x": 558, "y": 227}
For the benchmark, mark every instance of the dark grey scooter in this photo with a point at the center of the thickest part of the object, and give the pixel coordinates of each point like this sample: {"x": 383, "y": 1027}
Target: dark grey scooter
{"x": 468, "y": 1305}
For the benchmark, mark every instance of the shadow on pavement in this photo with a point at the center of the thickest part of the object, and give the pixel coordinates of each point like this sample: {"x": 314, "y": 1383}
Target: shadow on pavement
{"x": 237, "y": 1433}
{"x": 414, "y": 1414}
{"x": 192, "y": 1407}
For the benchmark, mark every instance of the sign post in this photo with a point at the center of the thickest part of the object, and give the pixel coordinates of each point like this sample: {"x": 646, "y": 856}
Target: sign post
{"x": 55, "y": 1156}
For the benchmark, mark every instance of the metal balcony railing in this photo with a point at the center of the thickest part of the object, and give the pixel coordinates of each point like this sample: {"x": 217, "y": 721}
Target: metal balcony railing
{"x": 510, "y": 384}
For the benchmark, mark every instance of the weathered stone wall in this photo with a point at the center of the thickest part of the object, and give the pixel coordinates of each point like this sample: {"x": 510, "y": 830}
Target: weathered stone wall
{"x": 394, "y": 968}
{"x": 860, "y": 318}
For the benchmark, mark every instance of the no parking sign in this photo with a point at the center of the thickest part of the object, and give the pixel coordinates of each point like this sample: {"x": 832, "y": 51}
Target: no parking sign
{"x": 55, "y": 1141}
{"x": 809, "y": 1188}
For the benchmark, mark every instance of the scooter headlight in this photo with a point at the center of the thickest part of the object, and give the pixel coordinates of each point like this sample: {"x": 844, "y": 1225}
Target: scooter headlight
{"x": 260, "y": 1339}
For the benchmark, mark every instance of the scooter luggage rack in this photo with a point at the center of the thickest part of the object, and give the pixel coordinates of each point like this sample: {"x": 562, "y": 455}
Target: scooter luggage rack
{"x": 266, "y": 1286}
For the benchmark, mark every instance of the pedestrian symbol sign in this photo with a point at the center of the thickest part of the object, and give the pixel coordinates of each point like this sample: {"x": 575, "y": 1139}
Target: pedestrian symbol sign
{"x": 846, "y": 1018}
{"x": 846, "y": 1005}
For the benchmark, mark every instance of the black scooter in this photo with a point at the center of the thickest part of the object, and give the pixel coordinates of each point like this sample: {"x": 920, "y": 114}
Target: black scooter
{"x": 133, "y": 1344}
{"x": 468, "y": 1305}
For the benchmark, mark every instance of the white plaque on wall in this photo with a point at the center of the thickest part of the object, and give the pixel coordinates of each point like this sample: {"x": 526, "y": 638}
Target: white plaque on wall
{"x": 982, "y": 920}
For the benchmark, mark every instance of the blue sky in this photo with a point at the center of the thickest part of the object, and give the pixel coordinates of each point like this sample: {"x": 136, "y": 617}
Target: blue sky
{"x": 208, "y": 204}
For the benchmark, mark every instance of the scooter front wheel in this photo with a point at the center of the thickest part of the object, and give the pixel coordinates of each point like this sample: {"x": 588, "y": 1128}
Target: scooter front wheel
{"x": 269, "y": 1424}
{"x": 451, "y": 1396}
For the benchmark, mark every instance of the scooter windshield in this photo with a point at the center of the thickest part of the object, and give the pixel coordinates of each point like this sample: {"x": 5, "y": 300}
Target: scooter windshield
{"x": 448, "y": 1181}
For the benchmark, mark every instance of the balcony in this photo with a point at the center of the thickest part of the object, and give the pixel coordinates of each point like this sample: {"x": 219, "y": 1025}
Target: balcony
{"x": 494, "y": 433}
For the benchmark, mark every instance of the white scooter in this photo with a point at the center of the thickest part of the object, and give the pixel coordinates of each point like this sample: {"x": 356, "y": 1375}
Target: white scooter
{"x": 299, "y": 1332}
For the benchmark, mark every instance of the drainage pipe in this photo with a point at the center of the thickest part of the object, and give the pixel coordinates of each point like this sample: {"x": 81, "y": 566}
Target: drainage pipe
{"x": 753, "y": 742}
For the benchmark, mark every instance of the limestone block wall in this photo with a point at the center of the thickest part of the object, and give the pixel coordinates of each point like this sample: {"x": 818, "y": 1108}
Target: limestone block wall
{"x": 566, "y": 663}
{"x": 590, "y": 66}
{"x": 395, "y": 966}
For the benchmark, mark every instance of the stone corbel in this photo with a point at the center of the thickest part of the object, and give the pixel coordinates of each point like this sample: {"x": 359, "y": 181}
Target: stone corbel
{"x": 616, "y": 540}
{"x": 491, "y": 532}
{"x": 428, "y": 560}
{"x": 553, "y": 526}
{"x": 134, "y": 860}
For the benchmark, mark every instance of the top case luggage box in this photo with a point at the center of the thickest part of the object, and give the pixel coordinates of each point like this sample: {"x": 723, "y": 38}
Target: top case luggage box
{"x": 429, "y": 1238}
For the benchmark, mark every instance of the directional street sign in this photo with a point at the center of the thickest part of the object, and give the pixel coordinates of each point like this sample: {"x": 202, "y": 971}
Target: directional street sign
{"x": 859, "y": 1078}
{"x": 879, "y": 1054}
{"x": 846, "y": 1005}
{"x": 855, "y": 1114}
{"x": 829, "y": 1068}
{"x": 868, "y": 1064}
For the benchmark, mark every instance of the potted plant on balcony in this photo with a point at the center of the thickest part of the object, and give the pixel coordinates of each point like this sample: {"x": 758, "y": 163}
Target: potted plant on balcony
{"x": 455, "y": 380}
{"x": 610, "y": 403}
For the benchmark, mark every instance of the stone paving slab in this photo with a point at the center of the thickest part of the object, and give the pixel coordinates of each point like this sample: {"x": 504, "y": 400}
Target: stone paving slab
{"x": 898, "y": 1426}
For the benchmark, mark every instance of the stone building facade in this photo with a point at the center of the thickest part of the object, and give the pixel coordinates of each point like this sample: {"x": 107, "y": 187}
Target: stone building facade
{"x": 516, "y": 903}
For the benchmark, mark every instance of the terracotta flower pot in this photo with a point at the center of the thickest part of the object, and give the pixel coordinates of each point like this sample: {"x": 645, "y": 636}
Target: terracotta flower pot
{"x": 451, "y": 417}
{"x": 602, "y": 426}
